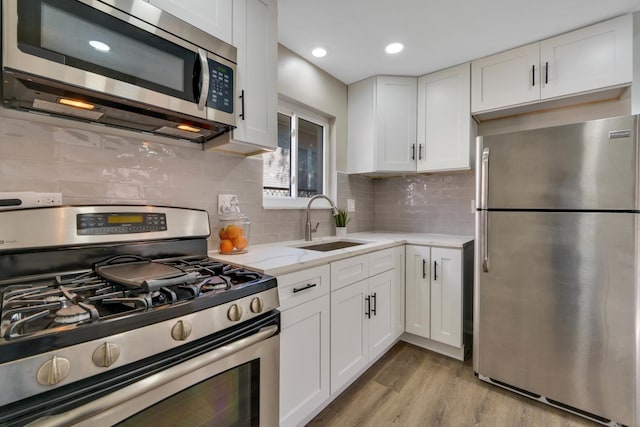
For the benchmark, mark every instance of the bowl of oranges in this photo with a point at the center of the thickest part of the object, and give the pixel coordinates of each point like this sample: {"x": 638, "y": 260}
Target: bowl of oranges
{"x": 234, "y": 235}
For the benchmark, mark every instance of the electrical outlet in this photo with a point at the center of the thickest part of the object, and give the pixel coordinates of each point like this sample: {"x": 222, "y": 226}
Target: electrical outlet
{"x": 224, "y": 203}
{"x": 351, "y": 205}
{"x": 473, "y": 206}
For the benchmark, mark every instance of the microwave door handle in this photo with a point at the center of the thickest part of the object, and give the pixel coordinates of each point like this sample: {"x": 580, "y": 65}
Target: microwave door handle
{"x": 204, "y": 78}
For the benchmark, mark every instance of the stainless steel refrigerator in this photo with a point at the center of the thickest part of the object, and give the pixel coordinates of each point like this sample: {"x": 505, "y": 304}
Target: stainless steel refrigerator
{"x": 557, "y": 247}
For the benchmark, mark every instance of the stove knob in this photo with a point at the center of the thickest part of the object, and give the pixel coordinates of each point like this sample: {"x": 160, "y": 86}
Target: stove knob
{"x": 235, "y": 313}
{"x": 256, "y": 305}
{"x": 181, "y": 330}
{"x": 106, "y": 355}
{"x": 53, "y": 371}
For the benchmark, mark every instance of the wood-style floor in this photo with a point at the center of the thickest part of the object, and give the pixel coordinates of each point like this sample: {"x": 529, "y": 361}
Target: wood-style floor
{"x": 410, "y": 386}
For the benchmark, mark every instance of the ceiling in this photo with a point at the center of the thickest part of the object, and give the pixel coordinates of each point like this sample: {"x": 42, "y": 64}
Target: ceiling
{"x": 436, "y": 34}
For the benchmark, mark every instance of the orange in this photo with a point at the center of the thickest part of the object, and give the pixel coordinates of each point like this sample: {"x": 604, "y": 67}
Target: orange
{"x": 226, "y": 246}
{"x": 234, "y": 231}
{"x": 222, "y": 233}
{"x": 240, "y": 242}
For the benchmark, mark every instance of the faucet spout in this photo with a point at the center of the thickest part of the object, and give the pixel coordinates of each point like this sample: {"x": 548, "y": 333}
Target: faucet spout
{"x": 307, "y": 226}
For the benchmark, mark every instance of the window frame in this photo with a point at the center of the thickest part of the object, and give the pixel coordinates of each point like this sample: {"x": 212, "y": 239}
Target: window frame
{"x": 297, "y": 111}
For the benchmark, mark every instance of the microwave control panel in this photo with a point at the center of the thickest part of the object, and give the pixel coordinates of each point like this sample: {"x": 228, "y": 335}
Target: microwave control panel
{"x": 220, "y": 87}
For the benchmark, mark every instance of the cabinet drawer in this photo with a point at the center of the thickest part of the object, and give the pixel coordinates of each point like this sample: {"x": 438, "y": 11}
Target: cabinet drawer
{"x": 302, "y": 286}
{"x": 383, "y": 260}
{"x": 349, "y": 270}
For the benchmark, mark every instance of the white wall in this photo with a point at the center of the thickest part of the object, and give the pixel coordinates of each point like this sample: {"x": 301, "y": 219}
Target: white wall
{"x": 307, "y": 84}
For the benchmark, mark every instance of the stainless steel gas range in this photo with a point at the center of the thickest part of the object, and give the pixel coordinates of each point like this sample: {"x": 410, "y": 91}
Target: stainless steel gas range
{"x": 114, "y": 315}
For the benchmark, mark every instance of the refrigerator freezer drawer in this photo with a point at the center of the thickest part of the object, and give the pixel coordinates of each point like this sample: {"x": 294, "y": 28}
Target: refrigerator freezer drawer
{"x": 556, "y": 310}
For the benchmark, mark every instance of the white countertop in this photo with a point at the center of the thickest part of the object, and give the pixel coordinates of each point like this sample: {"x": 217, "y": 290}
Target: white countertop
{"x": 285, "y": 257}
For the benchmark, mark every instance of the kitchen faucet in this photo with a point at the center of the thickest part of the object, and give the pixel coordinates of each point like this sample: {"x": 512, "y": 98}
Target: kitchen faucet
{"x": 307, "y": 226}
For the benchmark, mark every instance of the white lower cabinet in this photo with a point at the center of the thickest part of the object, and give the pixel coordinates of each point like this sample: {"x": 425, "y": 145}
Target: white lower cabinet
{"x": 418, "y": 291}
{"x": 304, "y": 343}
{"x": 349, "y": 333}
{"x": 364, "y": 315}
{"x": 438, "y": 291}
{"x": 338, "y": 319}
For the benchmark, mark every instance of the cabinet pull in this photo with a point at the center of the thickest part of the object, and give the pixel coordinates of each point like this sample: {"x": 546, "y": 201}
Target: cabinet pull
{"x": 304, "y": 288}
{"x": 533, "y": 75}
{"x": 546, "y": 72}
{"x": 413, "y": 151}
{"x": 424, "y": 268}
{"x": 368, "y": 309}
{"x": 419, "y": 151}
{"x": 435, "y": 270}
{"x": 373, "y": 310}
{"x": 242, "y": 104}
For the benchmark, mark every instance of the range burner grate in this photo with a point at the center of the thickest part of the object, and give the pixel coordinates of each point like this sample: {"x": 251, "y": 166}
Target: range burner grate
{"x": 71, "y": 299}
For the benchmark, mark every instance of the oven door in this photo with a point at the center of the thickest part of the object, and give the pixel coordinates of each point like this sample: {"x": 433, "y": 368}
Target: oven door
{"x": 233, "y": 384}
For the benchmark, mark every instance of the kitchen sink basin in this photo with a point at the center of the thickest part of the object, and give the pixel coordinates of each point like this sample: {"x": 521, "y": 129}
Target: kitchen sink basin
{"x": 331, "y": 246}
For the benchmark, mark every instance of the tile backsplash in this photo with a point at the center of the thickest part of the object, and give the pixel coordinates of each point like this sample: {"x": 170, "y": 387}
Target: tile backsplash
{"x": 90, "y": 167}
{"x": 426, "y": 203}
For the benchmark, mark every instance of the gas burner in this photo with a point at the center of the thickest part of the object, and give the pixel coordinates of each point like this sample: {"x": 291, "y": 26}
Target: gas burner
{"x": 71, "y": 313}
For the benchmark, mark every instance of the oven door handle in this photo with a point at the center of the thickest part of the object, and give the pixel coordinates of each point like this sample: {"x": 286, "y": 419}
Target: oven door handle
{"x": 154, "y": 381}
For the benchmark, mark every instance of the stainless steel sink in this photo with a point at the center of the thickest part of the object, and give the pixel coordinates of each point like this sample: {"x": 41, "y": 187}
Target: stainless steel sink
{"x": 331, "y": 246}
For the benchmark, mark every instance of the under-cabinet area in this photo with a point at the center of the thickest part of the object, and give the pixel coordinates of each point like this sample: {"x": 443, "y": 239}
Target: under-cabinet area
{"x": 343, "y": 309}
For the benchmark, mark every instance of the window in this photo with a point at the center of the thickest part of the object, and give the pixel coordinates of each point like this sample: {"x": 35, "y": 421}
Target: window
{"x": 298, "y": 168}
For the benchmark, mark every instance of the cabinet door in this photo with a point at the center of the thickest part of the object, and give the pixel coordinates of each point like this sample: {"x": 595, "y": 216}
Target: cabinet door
{"x": 446, "y": 296}
{"x": 211, "y": 16}
{"x": 382, "y": 295}
{"x": 508, "y": 78}
{"x": 304, "y": 360}
{"x": 396, "y": 102}
{"x": 444, "y": 120}
{"x": 349, "y": 333}
{"x": 591, "y": 58}
{"x": 255, "y": 36}
{"x": 418, "y": 291}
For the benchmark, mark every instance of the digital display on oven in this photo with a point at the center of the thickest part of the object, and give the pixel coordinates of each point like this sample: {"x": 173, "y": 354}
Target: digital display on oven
{"x": 123, "y": 219}
{"x": 120, "y": 223}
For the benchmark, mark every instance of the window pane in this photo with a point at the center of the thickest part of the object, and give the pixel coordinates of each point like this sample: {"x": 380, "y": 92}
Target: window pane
{"x": 310, "y": 158}
{"x": 277, "y": 164}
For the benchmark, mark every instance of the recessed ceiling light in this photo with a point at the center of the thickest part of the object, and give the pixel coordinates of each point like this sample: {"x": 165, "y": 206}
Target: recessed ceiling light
{"x": 319, "y": 52}
{"x": 99, "y": 46}
{"x": 394, "y": 48}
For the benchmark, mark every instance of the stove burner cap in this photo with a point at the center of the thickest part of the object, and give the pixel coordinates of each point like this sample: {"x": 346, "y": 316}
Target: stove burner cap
{"x": 71, "y": 314}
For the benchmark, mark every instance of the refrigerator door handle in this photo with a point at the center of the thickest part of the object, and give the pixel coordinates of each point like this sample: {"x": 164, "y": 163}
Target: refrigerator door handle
{"x": 485, "y": 241}
{"x": 484, "y": 178}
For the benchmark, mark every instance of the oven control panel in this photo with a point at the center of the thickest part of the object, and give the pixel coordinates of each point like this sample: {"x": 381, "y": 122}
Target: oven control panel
{"x": 120, "y": 223}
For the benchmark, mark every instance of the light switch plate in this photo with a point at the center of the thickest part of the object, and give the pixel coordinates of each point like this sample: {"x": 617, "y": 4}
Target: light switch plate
{"x": 351, "y": 205}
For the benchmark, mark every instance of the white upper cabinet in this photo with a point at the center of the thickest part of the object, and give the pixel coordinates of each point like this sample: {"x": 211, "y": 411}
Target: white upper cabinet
{"x": 595, "y": 57}
{"x": 590, "y": 59}
{"x": 505, "y": 79}
{"x": 405, "y": 124}
{"x": 211, "y": 16}
{"x": 255, "y": 34}
{"x": 382, "y": 125}
{"x": 444, "y": 120}
{"x": 395, "y": 123}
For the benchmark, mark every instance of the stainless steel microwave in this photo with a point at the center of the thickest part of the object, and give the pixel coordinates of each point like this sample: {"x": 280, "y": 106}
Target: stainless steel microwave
{"x": 122, "y": 63}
